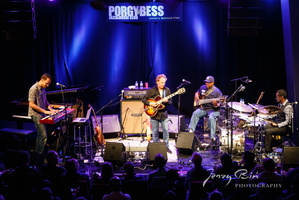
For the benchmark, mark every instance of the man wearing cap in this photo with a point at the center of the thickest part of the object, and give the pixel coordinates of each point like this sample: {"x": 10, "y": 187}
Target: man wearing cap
{"x": 210, "y": 109}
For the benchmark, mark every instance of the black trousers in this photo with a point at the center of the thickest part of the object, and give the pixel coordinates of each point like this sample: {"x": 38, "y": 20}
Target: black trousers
{"x": 271, "y": 130}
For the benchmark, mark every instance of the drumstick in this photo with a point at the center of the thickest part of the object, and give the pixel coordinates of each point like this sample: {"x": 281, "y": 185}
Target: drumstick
{"x": 257, "y": 102}
{"x": 260, "y": 97}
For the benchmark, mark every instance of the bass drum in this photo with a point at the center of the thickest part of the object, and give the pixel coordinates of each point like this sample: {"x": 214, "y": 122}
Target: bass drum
{"x": 238, "y": 140}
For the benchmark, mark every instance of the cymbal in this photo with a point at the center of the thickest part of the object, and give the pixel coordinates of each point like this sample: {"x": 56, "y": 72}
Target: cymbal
{"x": 240, "y": 107}
{"x": 255, "y": 106}
{"x": 269, "y": 110}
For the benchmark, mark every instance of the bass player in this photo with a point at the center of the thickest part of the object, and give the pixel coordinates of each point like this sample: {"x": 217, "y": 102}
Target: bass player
{"x": 210, "y": 109}
{"x": 158, "y": 92}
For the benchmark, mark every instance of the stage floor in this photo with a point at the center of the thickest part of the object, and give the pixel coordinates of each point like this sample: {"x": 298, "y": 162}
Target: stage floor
{"x": 180, "y": 159}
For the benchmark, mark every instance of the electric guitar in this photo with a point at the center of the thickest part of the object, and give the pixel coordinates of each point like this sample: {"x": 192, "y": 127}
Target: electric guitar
{"x": 152, "y": 111}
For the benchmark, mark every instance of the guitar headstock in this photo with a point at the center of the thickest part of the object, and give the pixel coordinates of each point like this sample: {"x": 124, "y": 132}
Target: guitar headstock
{"x": 181, "y": 91}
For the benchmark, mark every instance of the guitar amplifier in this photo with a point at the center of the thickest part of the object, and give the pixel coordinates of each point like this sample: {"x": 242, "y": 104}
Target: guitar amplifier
{"x": 133, "y": 94}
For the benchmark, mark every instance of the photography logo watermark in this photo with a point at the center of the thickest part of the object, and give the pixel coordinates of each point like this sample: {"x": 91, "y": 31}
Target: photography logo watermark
{"x": 241, "y": 174}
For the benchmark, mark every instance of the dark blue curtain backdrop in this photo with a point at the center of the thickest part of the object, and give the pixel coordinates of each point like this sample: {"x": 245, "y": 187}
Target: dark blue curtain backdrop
{"x": 79, "y": 47}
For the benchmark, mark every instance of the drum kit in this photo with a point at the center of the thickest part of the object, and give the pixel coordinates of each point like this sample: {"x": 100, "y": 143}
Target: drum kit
{"x": 246, "y": 119}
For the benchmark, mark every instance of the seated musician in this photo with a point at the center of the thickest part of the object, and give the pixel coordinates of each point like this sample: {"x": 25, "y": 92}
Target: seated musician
{"x": 283, "y": 120}
{"x": 211, "y": 109}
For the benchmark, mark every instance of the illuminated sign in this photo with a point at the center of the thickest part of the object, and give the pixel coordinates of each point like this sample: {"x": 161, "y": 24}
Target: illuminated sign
{"x": 145, "y": 12}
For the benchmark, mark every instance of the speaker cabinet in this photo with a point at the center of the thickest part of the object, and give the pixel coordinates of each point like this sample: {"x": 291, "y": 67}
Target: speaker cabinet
{"x": 133, "y": 116}
{"x": 154, "y": 148}
{"x": 173, "y": 123}
{"x": 114, "y": 152}
{"x": 186, "y": 142}
{"x": 290, "y": 156}
{"x": 110, "y": 123}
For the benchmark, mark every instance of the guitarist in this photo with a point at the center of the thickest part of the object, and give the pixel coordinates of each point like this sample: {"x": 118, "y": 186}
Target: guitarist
{"x": 157, "y": 92}
{"x": 212, "y": 109}
{"x": 283, "y": 120}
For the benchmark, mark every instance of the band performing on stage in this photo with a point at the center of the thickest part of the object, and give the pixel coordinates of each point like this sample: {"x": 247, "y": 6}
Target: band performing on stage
{"x": 228, "y": 123}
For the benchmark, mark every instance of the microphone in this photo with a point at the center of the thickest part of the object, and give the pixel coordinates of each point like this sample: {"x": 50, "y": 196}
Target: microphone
{"x": 185, "y": 81}
{"x": 242, "y": 88}
{"x": 122, "y": 94}
{"x": 294, "y": 103}
{"x": 247, "y": 80}
{"x": 60, "y": 84}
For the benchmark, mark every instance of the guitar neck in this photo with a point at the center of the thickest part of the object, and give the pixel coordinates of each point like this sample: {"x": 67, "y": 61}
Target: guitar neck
{"x": 205, "y": 101}
{"x": 168, "y": 97}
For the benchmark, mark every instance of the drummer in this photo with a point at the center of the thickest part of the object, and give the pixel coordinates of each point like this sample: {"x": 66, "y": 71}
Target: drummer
{"x": 282, "y": 122}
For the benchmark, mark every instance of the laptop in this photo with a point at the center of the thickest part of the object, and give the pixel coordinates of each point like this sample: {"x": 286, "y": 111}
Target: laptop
{"x": 82, "y": 119}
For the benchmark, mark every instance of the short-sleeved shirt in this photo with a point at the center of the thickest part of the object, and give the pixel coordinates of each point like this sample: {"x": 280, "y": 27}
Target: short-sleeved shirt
{"x": 216, "y": 93}
{"x": 37, "y": 94}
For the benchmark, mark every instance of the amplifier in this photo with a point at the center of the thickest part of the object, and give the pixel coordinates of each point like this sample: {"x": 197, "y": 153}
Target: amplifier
{"x": 131, "y": 94}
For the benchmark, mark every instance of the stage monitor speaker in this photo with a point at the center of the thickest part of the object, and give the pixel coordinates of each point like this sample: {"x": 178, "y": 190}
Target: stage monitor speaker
{"x": 133, "y": 117}
{"x": 115, "y": 152}
{"x": 110, "y": 123}
{"x": 154, "y": 148}
{"x": 186, "y": 142}
{"x": 290, "y": 156}
{"x": 173, "y": 123}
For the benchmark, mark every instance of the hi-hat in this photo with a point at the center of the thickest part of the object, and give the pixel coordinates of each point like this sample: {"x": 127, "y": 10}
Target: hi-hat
{"x": 241, "y": 115}
{"x": 240, "y": 107}
{"x": 268, "y": 110}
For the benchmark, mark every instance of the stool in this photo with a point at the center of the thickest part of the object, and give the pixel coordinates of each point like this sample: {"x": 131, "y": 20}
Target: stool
{"x": 82, "y": 140}
{"x": 21, "y": 134}
{"x": 219, "y": 124}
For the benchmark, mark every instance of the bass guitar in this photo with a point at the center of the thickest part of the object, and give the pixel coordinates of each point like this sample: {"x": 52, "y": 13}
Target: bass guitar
{"x": 98, "y": 132}
{"x": 199, "y": 102}
{"x": 152, "y": 111}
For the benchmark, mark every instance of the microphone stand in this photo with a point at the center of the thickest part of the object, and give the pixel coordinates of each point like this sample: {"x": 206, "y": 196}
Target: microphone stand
{"x": 102, "y": 109}
{"x": 67, "y": 123}
{"x": 236, "y": 80}
{"x": 230, "y": 135}
{"x": 179, "y": 107}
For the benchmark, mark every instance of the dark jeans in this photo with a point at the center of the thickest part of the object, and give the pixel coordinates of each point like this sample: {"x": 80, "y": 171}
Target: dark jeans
{"x": 41, "y": 138}
{"x": 271, "y": 130}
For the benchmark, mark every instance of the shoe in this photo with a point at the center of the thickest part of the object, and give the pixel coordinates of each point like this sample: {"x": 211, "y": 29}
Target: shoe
{"x": 269, "y": 151}
{"x": 168, "y": 150}
{"x": 190, "y": 130}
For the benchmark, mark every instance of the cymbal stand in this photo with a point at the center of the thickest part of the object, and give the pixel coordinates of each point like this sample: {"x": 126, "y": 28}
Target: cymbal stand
{"x": 230, "y": 134}
{"x": 259, "y": 145}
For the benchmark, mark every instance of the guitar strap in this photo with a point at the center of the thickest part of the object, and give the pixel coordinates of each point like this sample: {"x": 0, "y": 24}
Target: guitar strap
{"x": 210, "y": 91}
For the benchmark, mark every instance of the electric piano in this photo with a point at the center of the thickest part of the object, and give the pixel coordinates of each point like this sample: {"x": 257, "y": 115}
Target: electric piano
{"x": 54, "y": 118}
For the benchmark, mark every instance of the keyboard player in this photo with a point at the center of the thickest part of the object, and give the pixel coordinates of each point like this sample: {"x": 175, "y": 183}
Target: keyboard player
{"x": 39, "y": 107}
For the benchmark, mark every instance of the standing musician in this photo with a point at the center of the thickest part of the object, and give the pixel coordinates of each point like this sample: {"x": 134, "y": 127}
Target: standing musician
{"x": 211, "y": 109}
{"x": 39, "y": 107}
{"x": 283, "y": 120}
{"x": 162, "y": 114}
